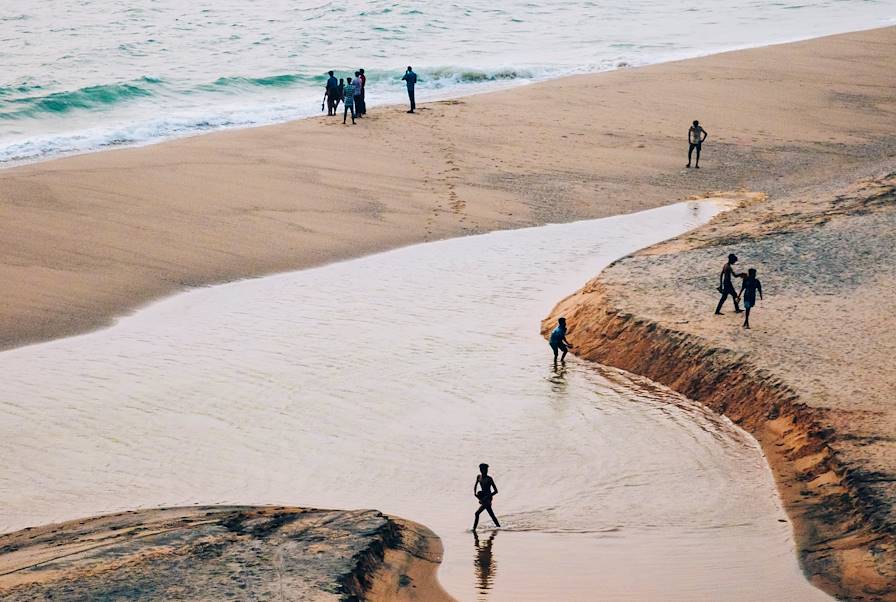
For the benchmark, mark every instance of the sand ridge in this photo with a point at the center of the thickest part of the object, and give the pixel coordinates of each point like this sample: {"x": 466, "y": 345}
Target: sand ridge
{"x": 814, "y": 378}
{"x": 219, "y": 552}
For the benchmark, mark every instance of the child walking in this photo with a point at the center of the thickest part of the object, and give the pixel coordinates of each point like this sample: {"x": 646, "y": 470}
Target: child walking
{"x": 748, "y": 290}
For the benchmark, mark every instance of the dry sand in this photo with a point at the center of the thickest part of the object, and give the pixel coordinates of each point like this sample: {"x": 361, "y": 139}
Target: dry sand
{"x": 90, "y": 237}
{"x": 221, "y": 552}
{"x": 813, "y": 380}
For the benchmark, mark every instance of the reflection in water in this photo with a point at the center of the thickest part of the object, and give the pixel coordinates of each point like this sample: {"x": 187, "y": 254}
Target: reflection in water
{"x": 485, "y": 563}
{"x": 558, "y": 378}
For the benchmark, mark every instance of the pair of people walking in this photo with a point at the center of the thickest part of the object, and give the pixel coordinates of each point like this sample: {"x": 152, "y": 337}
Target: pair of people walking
{"x": 749, "y": 287}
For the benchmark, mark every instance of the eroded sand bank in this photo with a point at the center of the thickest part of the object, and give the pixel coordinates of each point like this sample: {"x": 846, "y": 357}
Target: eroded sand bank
{"x": 814, "y": 378}
{"x": 224, "y": 552}
{"x": 87, "y": 238}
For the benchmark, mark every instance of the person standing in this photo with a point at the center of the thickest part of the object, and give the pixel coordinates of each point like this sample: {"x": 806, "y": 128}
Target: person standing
{"x": 726, "y": 286}
{"x": 332, "y": 93}
{"x": 349, "y": 100}
{"x": 411, "y": 79}
{"x": 359, "y": 102}
{"x": 363, "y": 79}
{"x": 748, "y": 291}
{"x": 340, "y": 96}
{"x": 487, "y": 490}
{"x": 696, "y": 136}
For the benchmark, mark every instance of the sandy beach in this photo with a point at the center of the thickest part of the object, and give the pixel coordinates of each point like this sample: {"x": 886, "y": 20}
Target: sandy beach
{"x": 87, "y": 238}
{"x": 802, "y": 131}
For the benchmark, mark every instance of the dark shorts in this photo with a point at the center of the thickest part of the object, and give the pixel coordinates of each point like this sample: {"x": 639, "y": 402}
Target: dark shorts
{"x": 562, "y": 347}
{"x": 692, "y": 146}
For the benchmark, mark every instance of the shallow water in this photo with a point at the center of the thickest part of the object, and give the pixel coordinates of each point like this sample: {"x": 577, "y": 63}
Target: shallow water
{"x": 382, "y": 382}
{"x": 79, "y": 75}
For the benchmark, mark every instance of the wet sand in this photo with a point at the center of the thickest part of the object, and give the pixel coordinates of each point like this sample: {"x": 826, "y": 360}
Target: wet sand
{"x": 813, "y": 379}
{"x": 89, "y": 238}
{"x": 372, "y": 383}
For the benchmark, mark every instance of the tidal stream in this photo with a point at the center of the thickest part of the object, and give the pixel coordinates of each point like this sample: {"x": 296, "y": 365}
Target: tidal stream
{"x": 382, "y": 382}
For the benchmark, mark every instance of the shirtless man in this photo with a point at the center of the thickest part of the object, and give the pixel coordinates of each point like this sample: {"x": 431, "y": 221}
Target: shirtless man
{"x": 487, "y": 490}
{"x": 696, "y": 136}
{"x": 726, "y": 286}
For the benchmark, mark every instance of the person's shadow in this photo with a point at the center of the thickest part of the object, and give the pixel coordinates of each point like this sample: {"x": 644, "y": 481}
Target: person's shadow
{"x": 484, "y": 563}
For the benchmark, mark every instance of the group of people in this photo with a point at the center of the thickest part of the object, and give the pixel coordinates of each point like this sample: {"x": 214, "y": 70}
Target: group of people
{"x": 352, "y": 94}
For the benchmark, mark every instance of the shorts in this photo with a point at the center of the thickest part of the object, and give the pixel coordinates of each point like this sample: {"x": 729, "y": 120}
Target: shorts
{"x": 748, "y": 303}
{"x": 562, "y": 347}
{"x": 484, "y": 498}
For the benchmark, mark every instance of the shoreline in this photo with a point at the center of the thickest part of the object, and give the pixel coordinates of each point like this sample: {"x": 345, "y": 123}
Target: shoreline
{"x": 460, "y": 95}
{"x": 836, "y": 492}
{"x": 91, "y": 237}
{"x": 179, "y": 552}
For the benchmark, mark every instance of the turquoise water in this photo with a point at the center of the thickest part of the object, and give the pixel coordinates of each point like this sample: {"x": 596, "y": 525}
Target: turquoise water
{"x": 83, "y": 75}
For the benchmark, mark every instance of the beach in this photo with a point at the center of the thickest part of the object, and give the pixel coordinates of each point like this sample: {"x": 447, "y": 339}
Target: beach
{"x": 94, "y": 236}
{"x": 800, "y": 140}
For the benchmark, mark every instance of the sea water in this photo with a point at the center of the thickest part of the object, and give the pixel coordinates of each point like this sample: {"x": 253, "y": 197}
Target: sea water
{"x": 81, "y": 75}
{"x": 383, "y": 382}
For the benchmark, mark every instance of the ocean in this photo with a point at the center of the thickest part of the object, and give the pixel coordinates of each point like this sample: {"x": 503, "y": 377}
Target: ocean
{"x": 84, "y": 75}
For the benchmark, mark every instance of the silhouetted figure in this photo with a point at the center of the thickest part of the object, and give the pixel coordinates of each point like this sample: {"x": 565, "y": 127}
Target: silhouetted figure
{"x": 558, "y": 340}
{"x": 726, "y": 286}
{"x": 487, "y": 490}
{"x": 331, "y": 94}
{"x": 359, "y": 100}
{"x": 410, "y": 78}
{"x": 363, "y": 79}
{"x": 349, "y": 100}
{"x": 696, "y": 136}
{"x": 341, "y": 95}
{"x": 485, "y": 564}
{"x": 748, "y": 290}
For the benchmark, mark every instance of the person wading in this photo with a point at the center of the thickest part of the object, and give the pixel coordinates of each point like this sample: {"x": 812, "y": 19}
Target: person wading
{"x": 696, "y": 136}
{"x": 486, "y": 491}
{"x": 726, "y": 286}
{"x": 558, "y": 340}
{"x": 410, "y": 78}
